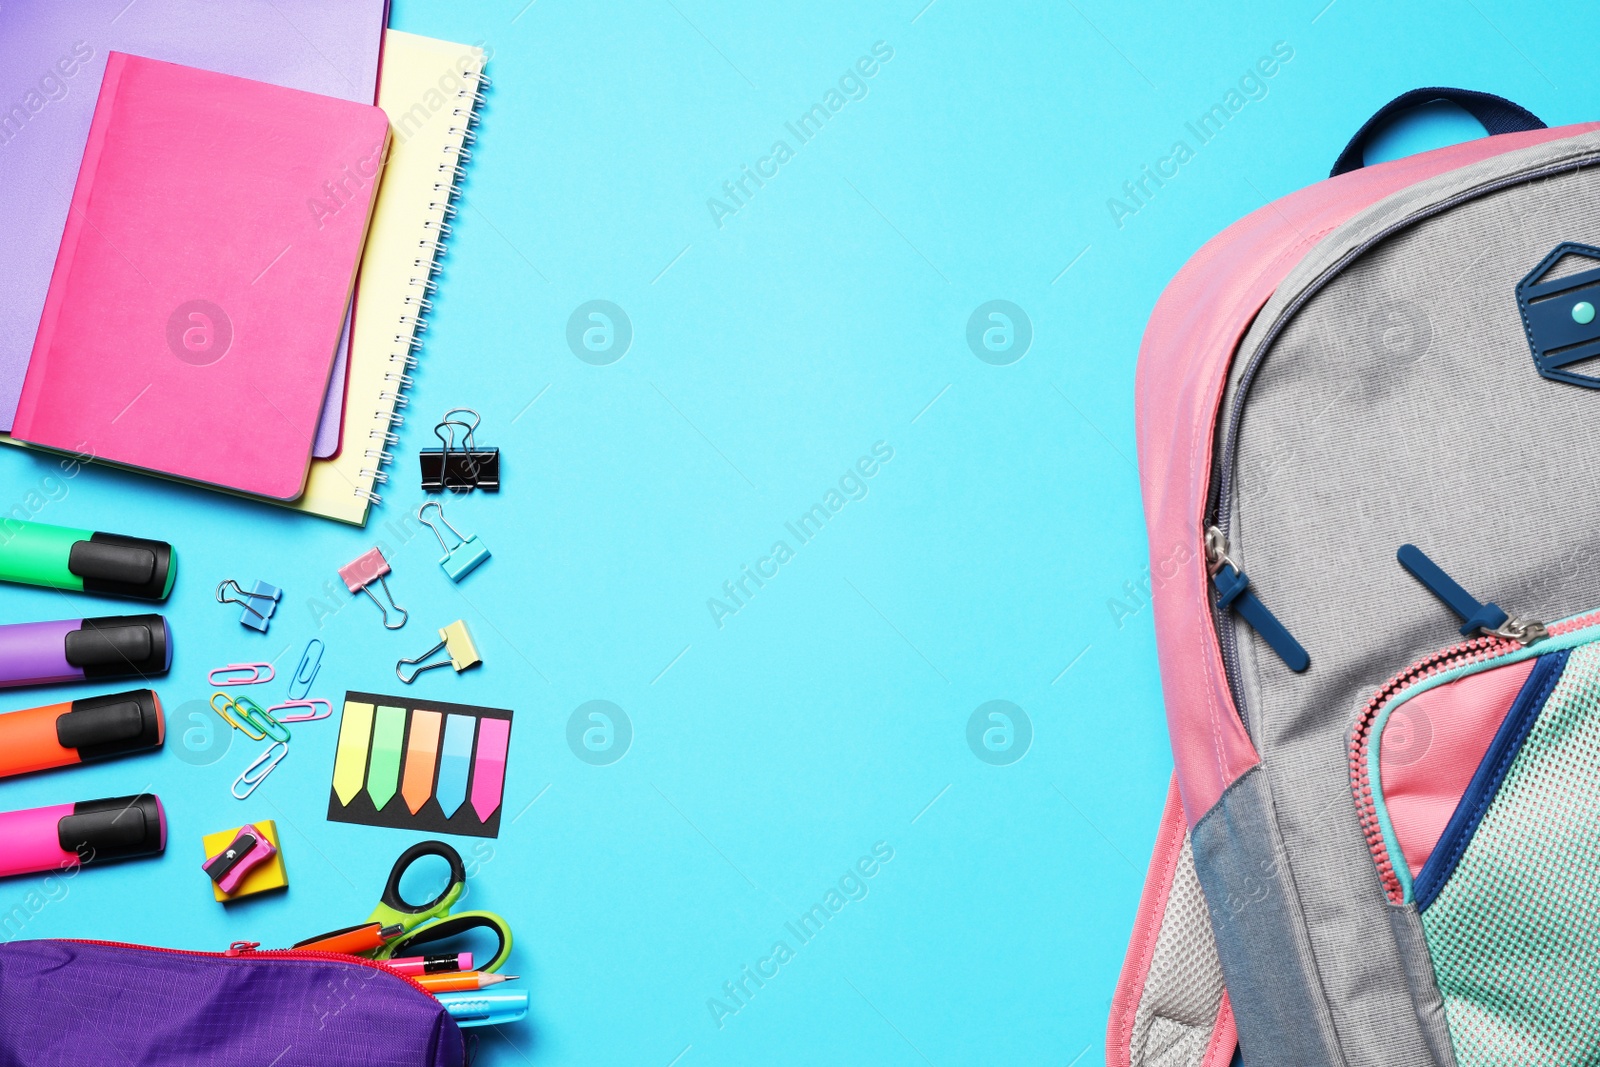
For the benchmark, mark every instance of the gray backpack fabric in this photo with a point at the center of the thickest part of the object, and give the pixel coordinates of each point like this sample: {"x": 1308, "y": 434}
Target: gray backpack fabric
{"x": 1384, "y": 395}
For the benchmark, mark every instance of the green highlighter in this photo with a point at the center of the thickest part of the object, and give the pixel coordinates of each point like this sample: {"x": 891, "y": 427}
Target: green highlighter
{"x": 84, "y": 561}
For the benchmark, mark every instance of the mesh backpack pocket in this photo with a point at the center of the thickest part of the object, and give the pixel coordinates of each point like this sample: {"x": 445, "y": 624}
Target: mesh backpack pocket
{"x": 1508, "y": 890}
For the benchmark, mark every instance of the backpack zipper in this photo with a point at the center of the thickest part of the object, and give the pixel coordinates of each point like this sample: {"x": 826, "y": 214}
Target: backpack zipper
{"x": 1480, "y": 652}
{"x": 1489, "y": 619}
{"x": 1223, "y": 489}
{"x": 1234, "y": 593}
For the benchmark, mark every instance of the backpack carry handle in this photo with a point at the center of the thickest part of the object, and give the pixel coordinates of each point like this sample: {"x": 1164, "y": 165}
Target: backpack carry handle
{"x": 1496, "y": 113}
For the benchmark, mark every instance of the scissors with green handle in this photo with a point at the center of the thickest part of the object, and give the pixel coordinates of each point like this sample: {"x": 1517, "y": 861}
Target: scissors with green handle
{"x": 405, "y": 928}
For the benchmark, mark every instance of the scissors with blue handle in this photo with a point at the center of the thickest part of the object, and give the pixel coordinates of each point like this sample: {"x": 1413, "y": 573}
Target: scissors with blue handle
{"x": 403, "y": 928}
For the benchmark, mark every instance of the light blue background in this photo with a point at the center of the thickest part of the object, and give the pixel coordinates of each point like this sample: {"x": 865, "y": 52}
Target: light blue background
{"x": 998, "y": 555}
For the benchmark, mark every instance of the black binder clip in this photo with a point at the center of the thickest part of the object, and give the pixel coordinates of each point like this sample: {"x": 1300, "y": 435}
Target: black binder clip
{"x": 459, "y": 468}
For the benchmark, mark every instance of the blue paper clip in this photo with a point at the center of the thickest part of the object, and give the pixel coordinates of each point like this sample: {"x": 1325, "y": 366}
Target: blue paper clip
{"x": 258, "y": 604}
{"x": 306, "y": 672}
{"x": 468, "y": 554}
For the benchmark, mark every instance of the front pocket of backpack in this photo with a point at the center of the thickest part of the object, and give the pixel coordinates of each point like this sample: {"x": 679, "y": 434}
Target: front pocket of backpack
{"x": 1509, "y": 894}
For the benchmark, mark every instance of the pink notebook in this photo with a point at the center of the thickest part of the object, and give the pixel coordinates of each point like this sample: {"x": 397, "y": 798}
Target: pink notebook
{"x": 203, "y": 276}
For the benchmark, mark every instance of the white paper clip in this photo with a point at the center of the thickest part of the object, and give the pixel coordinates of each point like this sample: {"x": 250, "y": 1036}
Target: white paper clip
{"x": 256, "y": 773}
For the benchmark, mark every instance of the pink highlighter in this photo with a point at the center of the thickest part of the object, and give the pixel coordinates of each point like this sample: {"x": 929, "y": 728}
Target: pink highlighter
{"x": 65, "y": 836}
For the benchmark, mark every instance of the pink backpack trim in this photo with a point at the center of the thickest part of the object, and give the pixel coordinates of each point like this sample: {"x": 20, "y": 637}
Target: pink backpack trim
{"x": 1142, "y": 946}
{"x": 1183, "y": 366}
{"x": 1146, "y": 926}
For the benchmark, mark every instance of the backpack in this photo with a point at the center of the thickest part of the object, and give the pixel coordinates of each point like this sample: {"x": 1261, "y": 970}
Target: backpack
{"x": 1366, "y": 420}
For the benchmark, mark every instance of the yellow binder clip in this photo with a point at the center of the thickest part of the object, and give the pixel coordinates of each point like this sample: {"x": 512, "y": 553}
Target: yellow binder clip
{"x": 457, "y": 645}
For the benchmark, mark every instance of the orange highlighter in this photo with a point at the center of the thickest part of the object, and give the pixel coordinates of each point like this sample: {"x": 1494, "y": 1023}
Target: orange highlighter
{"x": 352, "y": 940}
{"x": 61, "y": 735}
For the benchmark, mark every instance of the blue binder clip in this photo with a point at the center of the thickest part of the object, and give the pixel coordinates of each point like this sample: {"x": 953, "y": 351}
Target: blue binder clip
{"x": 1559, "y": 315}
{"x": 469, "y": 552}
{"x": 259, "y": 603}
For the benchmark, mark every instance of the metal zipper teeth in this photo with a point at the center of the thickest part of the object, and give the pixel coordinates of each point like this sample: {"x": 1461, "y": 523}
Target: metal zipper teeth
{"x": 1222, "y": 509}
{"x": 1481, "y": 651}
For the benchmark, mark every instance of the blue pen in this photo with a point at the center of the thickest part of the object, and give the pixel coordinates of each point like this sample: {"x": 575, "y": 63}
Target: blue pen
{"x": 485, "y": 1009}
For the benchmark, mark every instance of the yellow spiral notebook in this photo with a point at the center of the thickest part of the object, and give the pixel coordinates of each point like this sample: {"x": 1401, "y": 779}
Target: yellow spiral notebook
{"x": 430, "y": 89}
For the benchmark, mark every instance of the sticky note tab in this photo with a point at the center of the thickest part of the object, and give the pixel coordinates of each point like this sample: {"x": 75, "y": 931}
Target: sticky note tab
{"x": 489, "y": 769}
{"x": 350, "y": 765}
{"x": 388, "y": 737}
{"x": 422, "y": 756}
{"x": 455, "y": 763}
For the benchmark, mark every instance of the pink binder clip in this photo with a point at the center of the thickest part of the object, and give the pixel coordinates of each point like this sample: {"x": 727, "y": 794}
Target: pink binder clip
{"x": 361, "y": 572}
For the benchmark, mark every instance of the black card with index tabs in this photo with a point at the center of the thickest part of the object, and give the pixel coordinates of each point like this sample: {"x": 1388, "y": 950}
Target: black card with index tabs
{"x": 423, "y": 765}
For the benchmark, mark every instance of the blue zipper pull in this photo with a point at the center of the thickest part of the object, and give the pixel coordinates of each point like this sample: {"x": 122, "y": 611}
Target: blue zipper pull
{"x": 1234, "y": 592}
{"x": 1489, "y": 619}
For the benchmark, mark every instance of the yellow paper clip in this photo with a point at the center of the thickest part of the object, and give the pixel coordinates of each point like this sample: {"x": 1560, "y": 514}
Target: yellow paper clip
{"x": 227, "y": 702}
{"x": 456, "y": 643}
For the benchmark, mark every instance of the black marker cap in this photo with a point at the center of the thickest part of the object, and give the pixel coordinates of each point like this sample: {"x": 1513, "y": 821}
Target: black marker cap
{"x": 122, "y": 566}
{"x": 112, "y": 725}
{"x": 121, "y": 828}
{"x": 121, "y": 646}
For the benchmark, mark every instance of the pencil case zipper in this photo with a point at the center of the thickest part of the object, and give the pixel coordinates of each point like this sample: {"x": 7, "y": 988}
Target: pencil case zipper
{"x": 249, "y": 950}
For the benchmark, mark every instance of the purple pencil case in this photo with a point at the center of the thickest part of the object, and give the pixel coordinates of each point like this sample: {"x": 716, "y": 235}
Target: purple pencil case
{"x": 71, "y": 1003}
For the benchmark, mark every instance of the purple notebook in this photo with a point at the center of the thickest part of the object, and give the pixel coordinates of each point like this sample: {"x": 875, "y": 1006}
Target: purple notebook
{"x": 52, "y": 55}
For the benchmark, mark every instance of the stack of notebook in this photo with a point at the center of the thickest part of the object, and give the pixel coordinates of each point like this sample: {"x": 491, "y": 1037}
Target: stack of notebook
{"x": 190, "y": 316}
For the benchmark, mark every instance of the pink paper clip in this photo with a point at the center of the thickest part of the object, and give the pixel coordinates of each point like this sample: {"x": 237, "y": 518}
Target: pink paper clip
{"x": 309, "y": 702}
{"x": 361, "y": 572}
{"x": 250, "y": 674}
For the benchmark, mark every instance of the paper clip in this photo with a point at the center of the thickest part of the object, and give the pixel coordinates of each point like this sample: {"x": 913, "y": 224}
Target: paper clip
{"x": 307, "y": 702}
{"x": 255, "y": 774}
{"x": 462, "y": 469}
{"x": 306, "y": 672}
{"x": 258, "y": 604}
{"x": 361, "y": 572}
{"x": 254, "y": 677}
{"x": 261, "y": 719}
{"x": 457, "y": 644}
{"x": 469, "y": 553}
{"x": 227, "y": 702}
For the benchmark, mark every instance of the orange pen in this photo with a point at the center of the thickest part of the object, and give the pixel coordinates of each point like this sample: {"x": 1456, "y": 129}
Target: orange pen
{"x": 463, "y": 982}
{"x": 352, "y": 940}
{"x": 60, "y": 735}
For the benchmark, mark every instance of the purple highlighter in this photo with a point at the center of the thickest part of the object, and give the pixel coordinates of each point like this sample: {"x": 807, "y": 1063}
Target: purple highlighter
{"x": 76, "y": 650}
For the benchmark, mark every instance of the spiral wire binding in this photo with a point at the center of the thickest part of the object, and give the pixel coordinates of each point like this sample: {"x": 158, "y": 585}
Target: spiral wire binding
{"x": 382, "y": 438}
